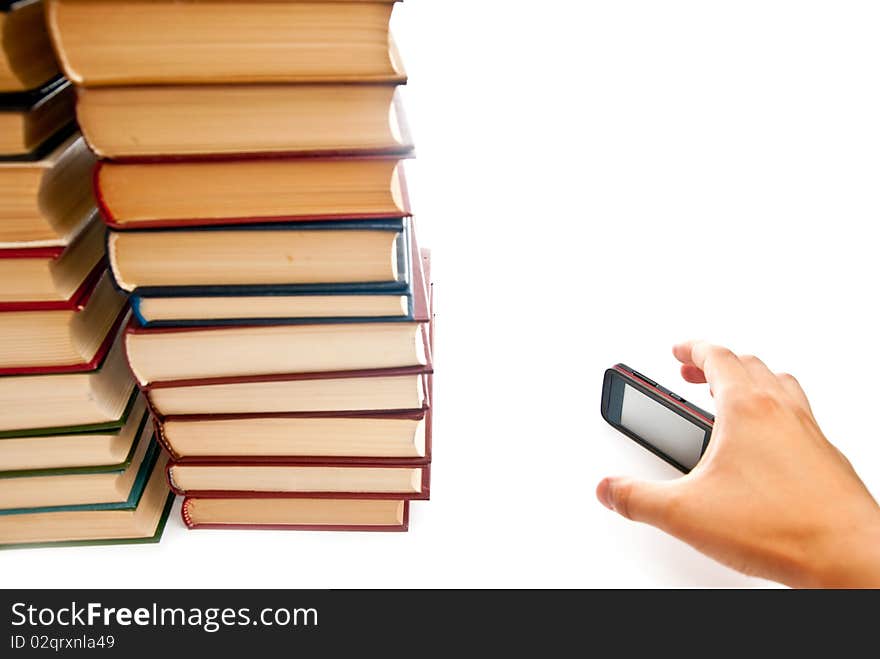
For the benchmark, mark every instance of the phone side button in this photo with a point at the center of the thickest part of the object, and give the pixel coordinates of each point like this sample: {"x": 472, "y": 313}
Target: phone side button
{"x": 677, "y": 397}
{"x": 646, "y": 379}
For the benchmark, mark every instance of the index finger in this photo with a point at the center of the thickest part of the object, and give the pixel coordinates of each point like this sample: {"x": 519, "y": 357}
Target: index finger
{"x": 722, "y": 369}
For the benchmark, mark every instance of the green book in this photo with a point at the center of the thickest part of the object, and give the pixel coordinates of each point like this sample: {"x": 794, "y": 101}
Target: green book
{"x": 140, "y": 519}
{"x": 44, "y": 404}
{"x": 69, "y": 489}
{"x": 106, "y": 447}
{"x": 113, "y": 426}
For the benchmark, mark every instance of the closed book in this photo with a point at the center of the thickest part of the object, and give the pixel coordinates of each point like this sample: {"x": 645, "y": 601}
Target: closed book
{"x": 52, "y": 403}
{"x": 296, "y": 514}
{"x": 142, "y": 520}
{"x": 61, "y": 340}
{"x": 186, "y": 122}
{"x": 79, "y": 488}
{"x": 170, "y": 193}
{"x": 26, "y": 57}
{"x": 129, "y": 41}
{"x": 32, "y": 123}
{"x": 46, "y": 202}
{"x": 291, "y": 479}
{"x": 383, "y": 437}
{"x": 47, "y": 278}
{"x": 185, "y": 355}
{"x": 273, "y": 306}
{"x": 354, "y": 391}
{"x": 282, "y": 259}
{"x": 104, "y": 446}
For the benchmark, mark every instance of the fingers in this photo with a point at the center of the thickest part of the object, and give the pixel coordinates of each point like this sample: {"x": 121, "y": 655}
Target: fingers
{"x": 719, "y": 366}
{"x": 640, "y": 501}
{"x": 692, "y": 374}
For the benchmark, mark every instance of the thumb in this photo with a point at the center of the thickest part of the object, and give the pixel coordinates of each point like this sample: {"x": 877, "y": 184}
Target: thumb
{"x": 640, "y": 501}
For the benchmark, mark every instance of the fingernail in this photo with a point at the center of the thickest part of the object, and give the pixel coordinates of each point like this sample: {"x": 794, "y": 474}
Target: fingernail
{"x": 603, "y": 493}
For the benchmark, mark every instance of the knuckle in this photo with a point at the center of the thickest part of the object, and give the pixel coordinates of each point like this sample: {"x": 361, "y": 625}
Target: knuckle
{"x": 764, "y": 402}
{"x": 788, "y": 378}
{"x": 719, "y": 352}
{"x": 758, "y": 402}
{"x": 751, "y": 360}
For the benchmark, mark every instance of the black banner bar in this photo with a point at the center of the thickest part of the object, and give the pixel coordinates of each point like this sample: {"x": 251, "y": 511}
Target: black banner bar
{"x": 406, "y": 622}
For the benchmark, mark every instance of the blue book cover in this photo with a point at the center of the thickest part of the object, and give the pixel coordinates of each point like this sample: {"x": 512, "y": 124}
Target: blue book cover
{"x": 410, "y": 285}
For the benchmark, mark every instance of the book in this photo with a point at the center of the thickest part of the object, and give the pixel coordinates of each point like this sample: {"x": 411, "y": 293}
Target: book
{"x": 334, "y": 305}
{"x": 402, "y": 437}
{"x": 143, "y": 520}
{"x": 296, "y": 514}
{"x": 55, "y": 402}
{"x": 129, "y": 42}
{"x": 48, "y": 201}
{"x": 62, "y": 340}
{"x": 388, "y": 389}
{"x": 291, "y": 479}
{"x": 186, "y": 354}
{"x": 84, "y": 487}
{"x": 44, "y": 278}
{"x": 165, "y": 194}
{"x": 105, "y": 446}
{"x": 29, "y": 121}
{"x": 26, "y": 57}
{"x": 222, "y": 120}
{"x": 283, "y": 258}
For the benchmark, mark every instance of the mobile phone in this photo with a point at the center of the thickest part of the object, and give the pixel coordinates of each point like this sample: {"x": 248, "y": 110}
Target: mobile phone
{"x": 661, "y": 421}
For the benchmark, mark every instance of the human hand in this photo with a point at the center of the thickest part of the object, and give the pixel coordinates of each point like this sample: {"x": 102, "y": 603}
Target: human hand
{"x": 771, "y": 497}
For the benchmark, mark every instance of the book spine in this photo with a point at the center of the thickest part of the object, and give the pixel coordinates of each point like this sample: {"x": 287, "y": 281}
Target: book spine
{"x": 190, "y": 524}
{"x": 423, "y": 495}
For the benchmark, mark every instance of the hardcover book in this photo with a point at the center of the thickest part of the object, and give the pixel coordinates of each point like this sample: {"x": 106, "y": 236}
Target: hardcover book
{"x": 189, "y": 355}
{"x": 26, "y": 57}
{"x": 47, "y": 278}
{"x": 273, "y": 306}
{"x": 53, "y": 403}
{"x": 296, "y": 514}
{"x": 120, "y": 42}
{"x": 313, "y": 257}
{"x": 291, "y": 479}
{"x": 31, "y": 124}
{"x": 48, "y": 201}
{"x": 62, "y": 341}
{"x": 105, "y": 446}
{"x": 83, "y": 488}
{"x": 357, "y": 391}
{"x": 167, "y": 194}
{"x": 143, "y": 123}
{"x": 142, "y": 520}
{"x": 402, "y": 437}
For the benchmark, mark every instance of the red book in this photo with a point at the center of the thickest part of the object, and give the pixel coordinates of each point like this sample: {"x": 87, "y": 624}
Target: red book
{"x": 289, "y": 513}
{"x": 50, "y": 278}
{"x": 399, "y": 389}
{"x": 379, "y": 437}
{"x": 173, "y": 193}
{"x": 63, "y": 341}
{"x": 182, "y": 356}
{"x": 298, "y": 479}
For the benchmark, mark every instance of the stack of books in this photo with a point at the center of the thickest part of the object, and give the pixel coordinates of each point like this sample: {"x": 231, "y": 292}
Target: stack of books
{"x": 78, "y": 459}
{"x": 252, "y": 180}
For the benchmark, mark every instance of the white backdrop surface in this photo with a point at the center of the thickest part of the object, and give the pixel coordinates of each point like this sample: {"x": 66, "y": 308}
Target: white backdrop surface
{"x": 597, "y": 180}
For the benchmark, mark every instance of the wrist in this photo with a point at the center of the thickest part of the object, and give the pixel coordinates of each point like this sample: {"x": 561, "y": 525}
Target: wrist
{"x": 843, "y": 558}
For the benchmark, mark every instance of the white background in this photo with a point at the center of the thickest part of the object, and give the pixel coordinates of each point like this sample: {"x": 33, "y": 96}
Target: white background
{"x": 598, "y": 180}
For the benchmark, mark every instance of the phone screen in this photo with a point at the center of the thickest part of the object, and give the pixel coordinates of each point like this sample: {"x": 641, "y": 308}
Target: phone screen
{"x": 665, "y": 430}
